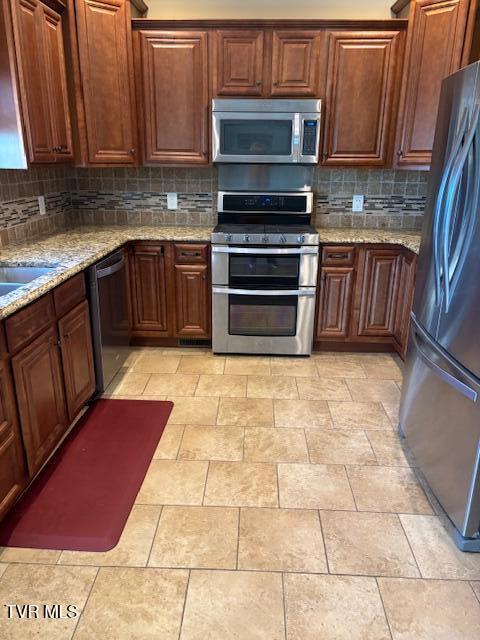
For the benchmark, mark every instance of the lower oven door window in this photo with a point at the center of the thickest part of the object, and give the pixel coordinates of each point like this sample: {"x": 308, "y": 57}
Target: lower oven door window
{"x": 257, "y": 315}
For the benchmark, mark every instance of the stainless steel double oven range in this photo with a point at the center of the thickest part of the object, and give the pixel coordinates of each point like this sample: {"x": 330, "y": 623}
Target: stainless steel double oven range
{"x": 264, "y": 261}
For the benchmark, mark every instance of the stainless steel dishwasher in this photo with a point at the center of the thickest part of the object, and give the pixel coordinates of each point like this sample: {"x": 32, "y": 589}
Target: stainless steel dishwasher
{"x": 110, "y": 317}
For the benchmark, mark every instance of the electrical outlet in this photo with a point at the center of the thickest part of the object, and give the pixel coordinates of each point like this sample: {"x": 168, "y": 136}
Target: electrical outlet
{"x": 357, "y": 203}
{"x": 41, "y": 205}
{"x": 172, "y": 201}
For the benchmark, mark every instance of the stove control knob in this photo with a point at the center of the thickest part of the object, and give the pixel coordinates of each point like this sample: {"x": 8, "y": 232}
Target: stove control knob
{"x": 283, "y": 238}
{"x": 246, "y": 238}
{"x": 265, "y": 239}
{"x": 301, "y": 239}
{"x": 228, "y": 237}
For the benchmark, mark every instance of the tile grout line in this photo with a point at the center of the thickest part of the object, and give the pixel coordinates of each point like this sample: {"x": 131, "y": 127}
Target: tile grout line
{"x": 239, "y": 515}
{"x": 350, "y": 485}
{"x": 184, "y": 604}
{"x": 278, "y": 485}
{"x": 154, "y": 536}
{"x": 284, "y": 606}
{"x": 323, "y": 540}
{"x": 202, "y": 504}
{"x": 384, "y": 609}
{"x": 181, "y": 442}
{"x": 75, "y": 629}
{"x": 410, "y": 546}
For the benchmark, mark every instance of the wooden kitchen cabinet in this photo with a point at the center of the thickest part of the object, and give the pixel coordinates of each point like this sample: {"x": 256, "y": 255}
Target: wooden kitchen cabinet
{"x": 42, "y": 79}
{"x": 103, "y": 62}
{"x": 334, "y": 302}
{"x": 264, "y": 63}
{"x": 172, "y": 67}
{"x": 38, "y": 376}
{"x": 192, "y": 290}
{"x": 295, "y": 63}
{"x": 150, "y": 289}
{"x": 435, "y": 42}
{"x": 377, "y": 291}
{"x": 238, "y": 64}
{"x": 406, "y": 286}
{"x": 13, "y": 475}
{"x": 77, "y": 358}
{"x": 362, "y": 74}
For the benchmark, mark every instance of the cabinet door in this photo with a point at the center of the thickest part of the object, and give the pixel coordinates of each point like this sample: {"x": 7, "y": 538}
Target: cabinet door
{"x": 32, "y": 70}
{"x": 238, "y": 63}
{"x": 38, "y": 377}
{"x": 77, "y": 358}
{"x": 334, "y": 302}
{"x": 362, "y": 69}
{"x": 12, "y": 465}
{"x": 295, "y": 63}
{"x": 192, "y": 300}
{"x": 149, "y": 290}
{"x": 406, "y": 285}
{"x": 106, "y": 67}
{"x": 433, "y": 51}
{"x": 174, "y": 76}
{"x": 57, "y": 85}
{"x": 378, "y": 291}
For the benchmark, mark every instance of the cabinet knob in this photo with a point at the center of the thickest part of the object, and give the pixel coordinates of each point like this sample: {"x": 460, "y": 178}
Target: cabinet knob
{"x": 275, "y": 83}
{"x": 400, "y": 153}
{"x": 132, "y": 151}
{"x": 258, "y": 82}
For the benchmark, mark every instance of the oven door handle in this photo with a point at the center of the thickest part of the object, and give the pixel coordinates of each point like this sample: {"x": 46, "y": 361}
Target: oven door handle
{"x": 300, "y": 293}
{"x": 267, "y": 252}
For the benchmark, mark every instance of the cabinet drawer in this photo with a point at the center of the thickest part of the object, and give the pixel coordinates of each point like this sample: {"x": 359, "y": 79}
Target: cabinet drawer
{"x": 29, "y": 322}
{"x": 190, "y": 253}
{"x": 338, "y": 256}
{"x": 69, "y": 294}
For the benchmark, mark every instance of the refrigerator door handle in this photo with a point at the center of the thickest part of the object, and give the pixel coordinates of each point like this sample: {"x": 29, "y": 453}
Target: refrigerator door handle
{"x": 453, "y": 381}
{"x": 451, "y": 196}
{"x": 437, "y": 217}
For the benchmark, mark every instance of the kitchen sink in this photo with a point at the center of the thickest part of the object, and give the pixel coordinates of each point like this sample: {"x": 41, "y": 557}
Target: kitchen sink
{"x": 12, "y": 278}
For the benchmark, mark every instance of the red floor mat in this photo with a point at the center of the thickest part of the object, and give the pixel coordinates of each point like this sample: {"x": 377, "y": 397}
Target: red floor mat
{"x": 84, "y": 495}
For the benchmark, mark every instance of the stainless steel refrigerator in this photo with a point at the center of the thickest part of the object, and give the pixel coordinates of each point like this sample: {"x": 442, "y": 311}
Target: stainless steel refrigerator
{"x": 440, "y": 407}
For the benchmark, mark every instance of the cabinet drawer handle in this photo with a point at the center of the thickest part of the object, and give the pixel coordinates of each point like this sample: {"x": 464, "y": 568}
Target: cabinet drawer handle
{"x": 193, "y": 254}
{"x": 338, "y": 256}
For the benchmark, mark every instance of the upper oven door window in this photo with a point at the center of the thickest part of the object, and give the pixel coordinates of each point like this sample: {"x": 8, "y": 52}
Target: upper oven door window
{"x": 250, "y": 271}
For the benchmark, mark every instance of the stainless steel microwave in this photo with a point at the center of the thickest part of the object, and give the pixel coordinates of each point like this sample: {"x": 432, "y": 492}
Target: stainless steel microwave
{"x": 270, "y": 131}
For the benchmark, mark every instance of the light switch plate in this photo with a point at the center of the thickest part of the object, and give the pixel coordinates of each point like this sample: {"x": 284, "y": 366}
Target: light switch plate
{"x": 172, "y": 201}
{"x": 357, "y": 203}
{"x": 41, "y": 205}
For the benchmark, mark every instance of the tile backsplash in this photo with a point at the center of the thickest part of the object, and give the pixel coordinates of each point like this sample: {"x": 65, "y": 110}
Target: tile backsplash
{"x": 394, "y": 199}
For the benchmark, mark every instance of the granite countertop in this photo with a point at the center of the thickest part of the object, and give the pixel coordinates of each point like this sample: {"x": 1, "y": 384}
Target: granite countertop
{"x": 73, "y": 250}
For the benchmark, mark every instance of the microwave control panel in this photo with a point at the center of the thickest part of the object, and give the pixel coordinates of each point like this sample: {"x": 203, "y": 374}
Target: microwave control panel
{"x": 309, "y": 137}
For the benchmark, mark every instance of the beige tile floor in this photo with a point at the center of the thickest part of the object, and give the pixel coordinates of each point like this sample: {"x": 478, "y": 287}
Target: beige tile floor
{"x": 279, "y": 504}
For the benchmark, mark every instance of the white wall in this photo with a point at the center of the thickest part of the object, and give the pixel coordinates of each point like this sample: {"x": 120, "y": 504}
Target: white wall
{"x": 303, "y": 9}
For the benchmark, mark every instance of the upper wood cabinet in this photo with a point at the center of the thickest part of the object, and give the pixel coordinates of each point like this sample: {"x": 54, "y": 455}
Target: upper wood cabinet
{"x": 264, "y": 63}
{"x": 42, "y": 80}
{"x": 238, "y": 63}
{"x": 295, "y": 63}
{"x": 106, "y": 112}
{"x": 174, "y": 96}
{"x": 360, "y": 101}
{"x": 434, "y": 47}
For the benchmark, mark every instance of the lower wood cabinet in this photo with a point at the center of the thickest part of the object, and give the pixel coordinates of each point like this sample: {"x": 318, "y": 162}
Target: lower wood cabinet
{"x": 41, "y": 398}
{"x": 13, "y": 475}
{"x": 377, "y": 292}
{"x": 149, "y": 290}
{"x": 192, "y": 296}
{"x": 368, "y": 297}
{"x": 77, "y": 358}
{"x": 170, "y": 290}
{"x": 334, "y": 302}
